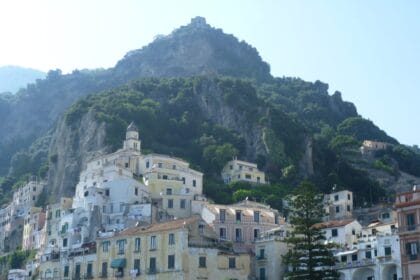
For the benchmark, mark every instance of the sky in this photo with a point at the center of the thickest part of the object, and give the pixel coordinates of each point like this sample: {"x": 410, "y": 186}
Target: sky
{"x": 367, "y": 50}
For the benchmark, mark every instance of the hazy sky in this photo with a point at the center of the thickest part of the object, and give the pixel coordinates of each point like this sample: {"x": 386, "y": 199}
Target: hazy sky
{"x": 368, "y": 50}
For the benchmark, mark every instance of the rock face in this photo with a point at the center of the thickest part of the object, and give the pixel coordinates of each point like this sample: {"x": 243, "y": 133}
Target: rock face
{"x": 70, "y": 150}
{"x": 194, "y": 49}
{"x": 211, "y": 102}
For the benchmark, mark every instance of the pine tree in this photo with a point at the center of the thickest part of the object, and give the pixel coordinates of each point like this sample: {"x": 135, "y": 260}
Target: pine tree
{"x": 308, "y": 257}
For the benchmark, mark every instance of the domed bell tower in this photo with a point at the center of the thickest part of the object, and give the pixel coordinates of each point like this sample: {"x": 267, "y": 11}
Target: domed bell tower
{"x": 132, "y": 141}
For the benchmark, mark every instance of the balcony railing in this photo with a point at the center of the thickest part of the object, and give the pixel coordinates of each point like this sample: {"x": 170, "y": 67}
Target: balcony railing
{"x": 119, "y": 274}
{"x": 354, "y": 264}
{"x": 152, "y": 271}
{"x": 409, "y": 228}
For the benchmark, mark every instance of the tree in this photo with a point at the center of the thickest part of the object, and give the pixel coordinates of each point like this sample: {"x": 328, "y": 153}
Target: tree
{"x": 308, "y": 257}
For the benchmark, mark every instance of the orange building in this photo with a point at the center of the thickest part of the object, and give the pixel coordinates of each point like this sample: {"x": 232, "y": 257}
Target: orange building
{"x": 408, "y": 213}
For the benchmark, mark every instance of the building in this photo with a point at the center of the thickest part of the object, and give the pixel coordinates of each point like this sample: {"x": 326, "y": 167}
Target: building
{"x": 33, "y": 229}
{"x": 17, "y": 274}
{"x": 270, "y": 247}
{"x": 178, "y": 249}
{"x": 368, "y": 147}
{"x": 172, "y": 184}
{"x": 343, "y": 232}
{"x": 371, "y": 257}
{"x": 238, "y": 170}
{"x": 408, "y": 212}
{"x": 240, "y": 223}
{"x": 338, "y": 205}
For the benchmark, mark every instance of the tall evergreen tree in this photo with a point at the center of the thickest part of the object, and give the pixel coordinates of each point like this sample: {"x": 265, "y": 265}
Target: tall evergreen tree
{"x": 308, "y": 257}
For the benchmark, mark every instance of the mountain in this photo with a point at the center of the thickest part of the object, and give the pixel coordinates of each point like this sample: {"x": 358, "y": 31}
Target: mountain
{"x": 202, "y": 95}
{"x": 13, "y": 78}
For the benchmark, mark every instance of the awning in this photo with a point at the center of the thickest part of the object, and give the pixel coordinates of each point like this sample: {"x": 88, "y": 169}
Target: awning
{"x": 346, "y": 253}
{"x": 118, "y": 263}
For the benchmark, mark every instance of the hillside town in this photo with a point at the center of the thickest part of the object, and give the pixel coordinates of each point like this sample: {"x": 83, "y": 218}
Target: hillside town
{"x": 144, "y": 216}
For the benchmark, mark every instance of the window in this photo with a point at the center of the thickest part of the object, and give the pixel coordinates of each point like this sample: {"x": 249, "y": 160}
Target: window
{"x": 334, "y": 232}
{"x": 201, "y": 262}
{"x": 262, "y": 273}
{"x": 368, "y": 254}
{"x": 410, "y": 218}
{"x": 77, "y": 271}
{"x": 136, "y": 191}
{"x": 183, "y": 180}
{"x": 238, "y": 215}
{"x": 65, "y": 242}
{"x": 262, "y": 254}
{"x": 126, "y": 165}
{"x": 257, "y": 216}
{"x": 107, "y": 192}
{"x": 136, "y": 266}
{"x": 104, "y": 272}
{"x": 387, "y": 251}
{"x": 137, "y": 244}
{"x": 354, "y": 257}
{"x": 222, "y": 233}
{"x": 182, "y": 204}
{"x": 66, "y": 271}
{"x": 121, "y": 246}
{"x": 411, "y": 248}
{"x": 57, "y": 213}
{"x": 168, "y": 191}
{"x": 248, "y": 176}
{"x": 348, "y": 208}
{"x": 238, "y": 235}
{"x": 170, "y": 203}
{"x": 344, "y": 258}
{"x": 159, "y": 164}
{"x": 337, "y": 209}
{"x": 171, "y": 239}
{"x": 336, "y": 197}
{"x": 147, "y": 164}
{"x": 194, "y": 183}
{"x": 152, "y": 265}
{"x": 173, "y": 166}
{"x": 222, "y": 215}
{"x": 105, "y": 246}
{"x": 231, "y": 167}
{"x": 201, "y": 228}
{"x": 258, "y": 179}
{"x": 385, "y": 215}
{"x": 89, "y": 270}
{"x": 256, "y": 233}
{"x": 232, "y": 262}
{"x": 153, "y": 244}
{"x": 353, "y": 231}
{"x": 348, "y": 196}
{"x": 171, "y": 261}
{"x": 165, "y": 177}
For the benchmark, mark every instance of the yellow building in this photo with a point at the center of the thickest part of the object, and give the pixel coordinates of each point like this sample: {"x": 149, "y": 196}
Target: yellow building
{"x": 172, "y": 184}
{"x": 239, "y": 170}
{"x": 178, "y": 249}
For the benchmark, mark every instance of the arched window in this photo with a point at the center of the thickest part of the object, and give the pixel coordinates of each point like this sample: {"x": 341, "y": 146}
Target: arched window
{"x": 48, "y": 274}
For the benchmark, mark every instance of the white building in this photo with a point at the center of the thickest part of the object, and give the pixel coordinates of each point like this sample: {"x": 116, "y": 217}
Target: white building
{"x": 344, "y": 232}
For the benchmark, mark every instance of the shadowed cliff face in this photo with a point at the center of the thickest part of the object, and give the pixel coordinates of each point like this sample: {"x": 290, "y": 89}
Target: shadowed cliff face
{"x": 70, "y": 150}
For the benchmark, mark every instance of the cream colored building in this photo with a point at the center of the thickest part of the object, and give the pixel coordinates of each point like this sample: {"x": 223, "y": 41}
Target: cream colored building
{"x": 172, "y": 184}
{"x": 54, "y": 214}
{"x": 369, "y": 146}
{"x": 178, "y": 249}
{"x": 241, "y": 223}
{"x": 239, "y": 170}
{"x": 338, "y": 205}
{"x": 270, "y": 248}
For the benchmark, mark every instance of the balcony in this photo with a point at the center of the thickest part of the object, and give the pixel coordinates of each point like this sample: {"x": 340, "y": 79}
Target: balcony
{"x": 261, "y": 258}
{"x": 119, "y": 274}
{"x": 355, "y": 264}
{"x": 152, "y": 271}
{"x": 409, "y": 229}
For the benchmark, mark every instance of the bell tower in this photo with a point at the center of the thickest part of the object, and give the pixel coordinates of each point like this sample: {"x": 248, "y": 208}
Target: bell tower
{"x": 132, "y": 141}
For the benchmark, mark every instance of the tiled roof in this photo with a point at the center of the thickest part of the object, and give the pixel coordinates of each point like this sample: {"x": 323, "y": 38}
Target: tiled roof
{"x": 166, "y": 226}
{"x": 331, "y": 224}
